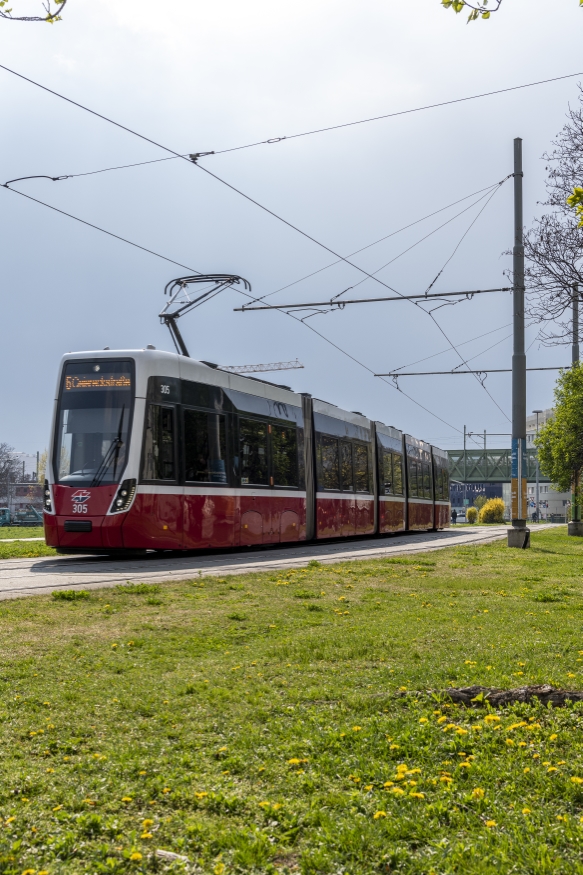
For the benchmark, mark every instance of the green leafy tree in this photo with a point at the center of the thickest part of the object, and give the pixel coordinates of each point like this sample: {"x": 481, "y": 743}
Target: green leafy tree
{"x": 51, "y": 13}
{"x": 479, "y": 502}
{"x": 560, "y": 440}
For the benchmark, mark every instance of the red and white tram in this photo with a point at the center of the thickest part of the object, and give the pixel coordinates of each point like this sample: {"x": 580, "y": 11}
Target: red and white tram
{"x": 153, "y": 450}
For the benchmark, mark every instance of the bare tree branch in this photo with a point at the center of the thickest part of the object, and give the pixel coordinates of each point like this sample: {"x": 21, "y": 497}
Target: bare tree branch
{"x": 51, "y": 16}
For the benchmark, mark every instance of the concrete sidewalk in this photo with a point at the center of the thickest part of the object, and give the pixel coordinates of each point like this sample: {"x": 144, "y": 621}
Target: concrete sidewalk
{"x": 24, "y": 577}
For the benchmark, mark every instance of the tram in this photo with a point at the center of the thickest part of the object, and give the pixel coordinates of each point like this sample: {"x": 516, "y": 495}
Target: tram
{"x": 151, "y": 450}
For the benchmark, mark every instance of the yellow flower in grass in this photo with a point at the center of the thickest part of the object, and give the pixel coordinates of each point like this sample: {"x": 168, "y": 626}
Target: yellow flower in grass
{"x": 442, "y": 719}
{"x": 478, "y": 793}
{"x": 526, "y": 810}
{"x": 490, "y": 823}
{"x": 576, "y": 780}
{"x": 29, "y": 872}
{"x": 147, "y": 823}
{"x": 356, "y": 728}
{"x": 378, "y": 814}
{"x": 146, "y": 835}
{"x": 423, "y": 720}
{"x": 491, "y": 718}
{"x": 417, "y": 795}
{"x": 397, "y": 791}
{"x": 553, "y": 737}
{"x": 126, "y": 799}
{"x": 219, "y": 869}
{"x": 135, "y": 857}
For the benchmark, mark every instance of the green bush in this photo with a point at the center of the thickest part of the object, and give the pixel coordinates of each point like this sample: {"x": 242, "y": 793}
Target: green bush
{"x": 472, "y": 515}
{"x": 493, "y": 511}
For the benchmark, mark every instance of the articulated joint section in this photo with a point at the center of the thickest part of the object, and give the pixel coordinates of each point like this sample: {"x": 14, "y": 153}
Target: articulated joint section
{"x": 124, "y": 497}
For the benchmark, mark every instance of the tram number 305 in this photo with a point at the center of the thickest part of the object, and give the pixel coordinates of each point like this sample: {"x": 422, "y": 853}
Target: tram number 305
{"x": 164, "y": 389}
{"x": 80, "y": 508}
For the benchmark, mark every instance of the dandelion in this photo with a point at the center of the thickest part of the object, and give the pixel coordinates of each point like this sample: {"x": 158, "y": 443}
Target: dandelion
{"x": 402, "y": 689}
{"x": 576, "y": 780}
{"x": 135, "y": 857}
{"x": 264, "y": 804}
{"x": 552, "y": 769}
{"x": 126, "y": 799}
{"x": 222, "y": 749}
{"x": 465, "y": 765}
{"x": 356, "y": 728}
{"x": 509, "y": 742}
{"x": 478, "y": 793}
{"x": 57, "y": 808}
{"x": 166, "y": 790}
{"x": 29, "y": 872}
{"x": 526, "y": 810}
{"x": 378, "y": 814}
{"x": 146, "y": 835}
{"x": 50, "y": 770}
{"x": 442, "y": 719}
{"x": 368, "y": 787}
{"x": 417, "y": 795}
{"x": 219, "y": 869}
{"x": 461, "y": 731}
{"x": 553, "y": 737}
{"x": 423, "y": 720}
{"x": 491, "y": 718}
{"x": 394, "y": 747}
{"x": 490, "y": 823}
{"x": 201, "y": 795}
{"x": 147, "y": 823}
{"x": 398, "y": 791}
{"x": 387, "y": 784}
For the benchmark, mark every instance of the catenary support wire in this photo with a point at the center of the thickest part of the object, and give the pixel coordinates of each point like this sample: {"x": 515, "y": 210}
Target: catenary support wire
{"x": 194, "y": 271}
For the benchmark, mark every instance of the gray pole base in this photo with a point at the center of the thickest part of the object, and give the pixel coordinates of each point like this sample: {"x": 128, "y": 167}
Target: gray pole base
{"x": 519, "y": 538}
{"x": 575, "y": 529}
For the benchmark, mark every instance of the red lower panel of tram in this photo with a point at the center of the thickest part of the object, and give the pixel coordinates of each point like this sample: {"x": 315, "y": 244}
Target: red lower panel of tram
{"x": 391, "y": 516}
{"x": 344, "y": 517}
{"x": 420, "y": 515}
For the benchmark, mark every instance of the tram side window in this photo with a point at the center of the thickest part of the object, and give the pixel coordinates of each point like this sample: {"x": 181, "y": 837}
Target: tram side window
{"x": 413, "y": 489}
{"x": 159, "y": 462}
{"x": 253, "y": 452}
{"x": 346, "y": 471}
{"x": 361, "y": 467}
{"x": 397, "y": 474}
{"x": 426, "y": 481}
{"x": 328, "y": 473}
{"x": 387, "y": 472}
{"x": 445, "y": 473}
{"x": 284, "y": 450}
{"x": 205, "y": 447}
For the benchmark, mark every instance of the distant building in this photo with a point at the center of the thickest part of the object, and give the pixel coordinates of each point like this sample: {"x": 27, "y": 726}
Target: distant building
{"x": 24, "y": 494}
{"x": 553, "y": 504}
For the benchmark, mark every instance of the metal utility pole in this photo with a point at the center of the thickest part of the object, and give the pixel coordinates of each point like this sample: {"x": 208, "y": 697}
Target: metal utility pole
{"x": 518, "y": 535}
{"x": 465, "y": 465}
{"x": 536, "y": 499}
{"x": 575, "y": 340}
{"x": 575, "y": 526}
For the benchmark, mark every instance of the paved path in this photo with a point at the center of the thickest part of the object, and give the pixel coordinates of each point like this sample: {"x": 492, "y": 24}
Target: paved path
{"x": 24, "y": 577}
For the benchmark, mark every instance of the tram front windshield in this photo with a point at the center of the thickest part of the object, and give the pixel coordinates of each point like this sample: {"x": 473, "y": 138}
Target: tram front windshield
{"x": 93, "y": 423}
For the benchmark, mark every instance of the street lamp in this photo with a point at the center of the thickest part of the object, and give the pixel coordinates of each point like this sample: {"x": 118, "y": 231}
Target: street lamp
{"x": 536, "y": 493}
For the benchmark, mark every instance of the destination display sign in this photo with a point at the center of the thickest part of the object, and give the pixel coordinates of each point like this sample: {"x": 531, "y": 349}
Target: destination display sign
{"x": 76, "y": 382}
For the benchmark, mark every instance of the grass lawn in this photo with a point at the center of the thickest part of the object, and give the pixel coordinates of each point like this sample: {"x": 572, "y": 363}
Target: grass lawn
{"x": 21, "y": 532}
{"x": 285, "y": 723}
{"x": 10, "y": 549}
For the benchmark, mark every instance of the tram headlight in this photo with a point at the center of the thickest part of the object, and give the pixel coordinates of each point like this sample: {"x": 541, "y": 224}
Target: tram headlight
{"x": 124, "y": 497}
{"x": 47, "y": 503}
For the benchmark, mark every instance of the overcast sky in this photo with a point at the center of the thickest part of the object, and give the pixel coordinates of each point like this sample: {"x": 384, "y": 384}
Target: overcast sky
{"x": 199, "y": 77}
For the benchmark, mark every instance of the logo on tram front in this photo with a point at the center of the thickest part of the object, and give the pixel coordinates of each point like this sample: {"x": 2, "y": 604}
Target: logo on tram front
{"x": 80, "y": 497}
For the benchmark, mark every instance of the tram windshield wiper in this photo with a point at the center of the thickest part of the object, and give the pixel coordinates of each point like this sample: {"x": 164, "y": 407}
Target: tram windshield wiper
{"x": 111, "y": 454}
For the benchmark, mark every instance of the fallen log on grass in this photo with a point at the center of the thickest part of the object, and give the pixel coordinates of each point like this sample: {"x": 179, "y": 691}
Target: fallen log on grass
{"x": 478, "y": 697}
